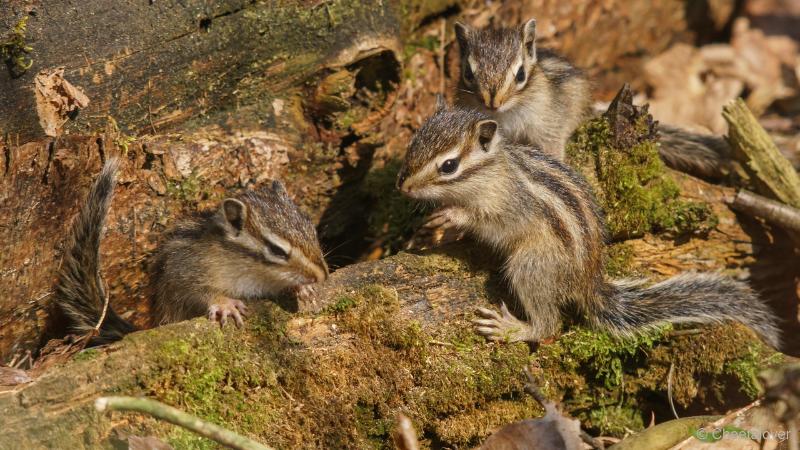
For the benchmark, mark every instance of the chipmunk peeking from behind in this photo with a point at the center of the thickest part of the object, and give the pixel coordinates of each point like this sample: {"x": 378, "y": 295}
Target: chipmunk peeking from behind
{"x": 540, "y": 98}
{"x": 255, "y": 245}
{"x": 542, "y": 217}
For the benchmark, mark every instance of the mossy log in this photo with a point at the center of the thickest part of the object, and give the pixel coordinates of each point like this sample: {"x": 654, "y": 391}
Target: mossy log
{"x": 390, "y": 336}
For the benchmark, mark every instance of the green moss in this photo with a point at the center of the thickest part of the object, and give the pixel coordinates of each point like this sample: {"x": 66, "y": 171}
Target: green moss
{"x": 397, "y": 350}
{"x": 620, "y": 260}
{"x": 602, "y": 356}
{"x": 632, "y": 183}
{"x": 616, "y": 420}
{"x": 189, "y": 190}
{"x": 747, "y": 367}
{"x": 14, "y": 51}
{"x": 610, "y": 383}
{"x": 433, "y": 263}
{"x": 342, "y": 304}
{"x": 86, "y": 355}
{"x": 394, "y": 217}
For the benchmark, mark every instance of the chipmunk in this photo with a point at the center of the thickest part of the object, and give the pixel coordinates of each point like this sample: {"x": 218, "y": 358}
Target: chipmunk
{"x": 542, "y": 217}
{"x": 257, "y": 244}
{"x": 540, "y": 98}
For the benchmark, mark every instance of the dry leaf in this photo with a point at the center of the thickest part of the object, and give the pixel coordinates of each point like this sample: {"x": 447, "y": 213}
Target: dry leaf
{"x": 147, "y": 443}
{"x": 554, "y": 431}
{"x": 56, "y": 99}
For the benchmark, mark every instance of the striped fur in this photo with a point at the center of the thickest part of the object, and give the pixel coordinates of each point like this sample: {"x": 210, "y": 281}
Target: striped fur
{"x": 205, "y": 261}
{"x": 80, "y": 291}
{"x": 210, "y": 257}
{"x": 555, "y": 99}
{"x": 543, "y": 110}
{"x": 543, "y": 218}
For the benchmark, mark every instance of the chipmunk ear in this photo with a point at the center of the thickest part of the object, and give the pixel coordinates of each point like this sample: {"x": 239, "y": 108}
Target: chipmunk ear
{"x": 487, "y": 130}
{"x": 234, "y": 212}
{"x": 529, "y": 38}
{"x": 441, "y": 103}
{"x": 462, "y": 36}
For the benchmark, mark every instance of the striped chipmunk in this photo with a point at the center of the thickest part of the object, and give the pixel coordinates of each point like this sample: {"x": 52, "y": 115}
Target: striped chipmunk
{"x": 542, "y": 218}
{"x": 255, "y": 245}
{"x": 540, "y": 98}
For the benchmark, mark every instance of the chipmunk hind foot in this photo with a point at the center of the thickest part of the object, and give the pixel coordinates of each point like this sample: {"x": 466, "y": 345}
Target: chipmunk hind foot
{"x": 502, "y": 326}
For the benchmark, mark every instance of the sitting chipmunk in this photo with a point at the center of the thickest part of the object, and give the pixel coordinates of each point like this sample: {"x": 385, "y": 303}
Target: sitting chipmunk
{"x": 540, "y": 98}
{"x": 255, "y": 245}
{"x": 542, "y": 217}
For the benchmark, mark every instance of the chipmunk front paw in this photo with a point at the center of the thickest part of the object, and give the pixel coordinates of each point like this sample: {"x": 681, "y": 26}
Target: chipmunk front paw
{"x": 502, "y": 326}
{"x": 223, "y": 308}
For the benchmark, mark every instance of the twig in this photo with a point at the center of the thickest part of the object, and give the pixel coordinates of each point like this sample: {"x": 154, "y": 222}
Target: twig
{"x": 180, "y": 418}
{"x": 780, "y": 214}
{"x": 103, "y": 313}
{"x": 531, "y": 388}
{"x": 669, "y": 389}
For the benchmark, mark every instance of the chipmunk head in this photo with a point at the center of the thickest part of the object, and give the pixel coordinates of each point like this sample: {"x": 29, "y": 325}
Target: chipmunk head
{"x": 496, "y": 63}
{"x": 451, "y": 157}
{"x": 268, "y": 226}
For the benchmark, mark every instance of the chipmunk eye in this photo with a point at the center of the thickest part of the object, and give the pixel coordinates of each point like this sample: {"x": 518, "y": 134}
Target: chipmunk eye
{"x": 468, "y": 75}
{"x": 449, "y": 166}
{"x": 520, "y": 74}
{"x": 277, "y": 251}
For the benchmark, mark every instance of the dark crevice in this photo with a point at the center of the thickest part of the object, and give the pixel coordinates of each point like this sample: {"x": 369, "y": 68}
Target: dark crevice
{"x": 342, "y": 106}
{"x": 205, "y": 24}
{"x": 7, "y": 151}
{"x": 51, "y": 152}
{"x": 101, "y": 149}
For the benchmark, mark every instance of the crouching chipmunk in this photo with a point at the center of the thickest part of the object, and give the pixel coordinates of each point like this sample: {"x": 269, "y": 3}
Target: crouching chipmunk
{"x": 255, "y": 245}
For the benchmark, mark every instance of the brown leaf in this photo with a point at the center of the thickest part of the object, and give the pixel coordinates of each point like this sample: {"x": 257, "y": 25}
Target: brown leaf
{"x": 147, "y": 443}
{"x": 554, "y": 431}
{"x": 56, "y": 99}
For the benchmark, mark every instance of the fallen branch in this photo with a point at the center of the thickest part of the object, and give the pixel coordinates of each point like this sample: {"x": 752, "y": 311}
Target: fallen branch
{"x": 180, "y": 418}
{"x": 752, "y": 146}
{"x": 772, "y": 211}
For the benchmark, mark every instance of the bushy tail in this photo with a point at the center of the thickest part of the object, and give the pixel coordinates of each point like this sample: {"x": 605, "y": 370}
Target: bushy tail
{"x": 703, "y": 155}
{"x": 80, "y": 292}
{"x": 686, "y": 298}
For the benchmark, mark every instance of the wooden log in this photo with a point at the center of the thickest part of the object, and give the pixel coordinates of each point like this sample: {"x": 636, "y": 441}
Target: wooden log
{"x": 392, "y": 336}
{"x": 151, "y": 65}
{"x": 772, "y": 173}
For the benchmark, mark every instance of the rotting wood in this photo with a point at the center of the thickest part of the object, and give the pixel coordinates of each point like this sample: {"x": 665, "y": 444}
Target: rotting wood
{"x": 772, "y": 173}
